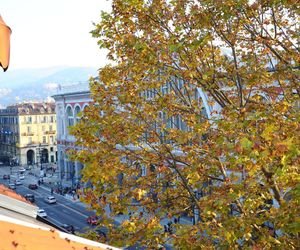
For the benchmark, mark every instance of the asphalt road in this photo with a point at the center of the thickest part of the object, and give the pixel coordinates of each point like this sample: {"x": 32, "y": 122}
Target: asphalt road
{"x": 63, "y": 212}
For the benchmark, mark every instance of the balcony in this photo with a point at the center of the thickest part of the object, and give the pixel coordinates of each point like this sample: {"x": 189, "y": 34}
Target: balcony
{"x": 32, "y": 143}
{"x": 27, "y": 134}
{"x": 50, "y": 132}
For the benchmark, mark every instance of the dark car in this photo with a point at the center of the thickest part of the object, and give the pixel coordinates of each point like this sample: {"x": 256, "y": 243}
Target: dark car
{"x": 33, "y": 186}
{"x": 29, "y": 197}
{"x": 101, "y": 234}
{"x": 93, "y": 220}
{"x": 69, "y": 228}
{"x": 6, "y": 177}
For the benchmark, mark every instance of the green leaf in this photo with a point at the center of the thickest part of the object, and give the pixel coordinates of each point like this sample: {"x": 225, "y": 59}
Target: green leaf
{"x": 246, "y": 143}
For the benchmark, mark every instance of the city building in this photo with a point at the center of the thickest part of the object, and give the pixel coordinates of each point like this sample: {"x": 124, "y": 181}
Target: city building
{"x": 70, "y": 100}
{"x": 28, "y": 134}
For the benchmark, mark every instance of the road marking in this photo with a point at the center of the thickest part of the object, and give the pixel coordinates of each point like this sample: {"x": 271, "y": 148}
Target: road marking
{"x": 59, "y": 222}
{"x": 75, "y": 211}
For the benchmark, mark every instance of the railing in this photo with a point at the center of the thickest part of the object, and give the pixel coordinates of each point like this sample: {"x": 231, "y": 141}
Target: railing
{"x": 50, "y": 132}
{"x": 73, "y": 87}
{"x": 32, "y": 143}
{"x": 27, "y": 134}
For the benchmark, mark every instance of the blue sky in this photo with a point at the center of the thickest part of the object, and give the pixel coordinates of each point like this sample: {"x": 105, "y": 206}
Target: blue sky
{"x": 48, "y": 33}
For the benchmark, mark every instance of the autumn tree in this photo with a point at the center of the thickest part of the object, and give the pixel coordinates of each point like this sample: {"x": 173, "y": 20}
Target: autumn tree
{"x": 197, "y": 115}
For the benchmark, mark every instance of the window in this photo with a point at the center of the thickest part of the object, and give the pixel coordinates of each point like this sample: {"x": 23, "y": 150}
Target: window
{"x": 144, "y": 170}
{"x": 51, "y": 149}
{"x": 51, "y": 139}
{"x": 70, "y": 116}
{"x": 165, "y": 89}
{"x": 44, "y": 139}
{"x": 29, "y": 140}
{"x": 51, "y": 118}
{"x": 43, "y": 128}
{"x": 50, "y": 128}
{"x": 77, "y": 117}
{"x": 28, "y": 129}
{"x": 43, "y": 119}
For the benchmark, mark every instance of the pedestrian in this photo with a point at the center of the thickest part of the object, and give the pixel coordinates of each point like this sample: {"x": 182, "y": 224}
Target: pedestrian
{"x": 165, "y": 228}
{"x": 175, "y": 220}
{"x": 51, "y": 190}
{"x": 39, "y": 182}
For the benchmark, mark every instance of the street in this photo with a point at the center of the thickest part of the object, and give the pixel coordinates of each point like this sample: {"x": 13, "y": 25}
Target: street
{"x": 65, "y": 211}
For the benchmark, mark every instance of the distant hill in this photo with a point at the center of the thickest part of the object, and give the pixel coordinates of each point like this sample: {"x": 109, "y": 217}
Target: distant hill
{"x": 38, "y": 84}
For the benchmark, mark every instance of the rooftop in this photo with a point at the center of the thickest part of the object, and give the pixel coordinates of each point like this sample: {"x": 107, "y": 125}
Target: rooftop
{"x": 73, "y": 88}
{"x": 29, "y": 108}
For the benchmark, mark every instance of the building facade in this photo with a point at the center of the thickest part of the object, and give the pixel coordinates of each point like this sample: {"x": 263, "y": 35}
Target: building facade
{"x": 70, "y": 100}
{"x": 28, "y": 134}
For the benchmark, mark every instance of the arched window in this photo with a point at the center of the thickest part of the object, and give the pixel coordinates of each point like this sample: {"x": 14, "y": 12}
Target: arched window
{"x": 70, "y": 116}
{"x": 77, "y": 117}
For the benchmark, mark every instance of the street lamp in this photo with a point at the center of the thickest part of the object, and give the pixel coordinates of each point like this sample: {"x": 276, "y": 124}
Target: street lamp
{"x": 41, "y": 155}
{"x": 5, "y": 32}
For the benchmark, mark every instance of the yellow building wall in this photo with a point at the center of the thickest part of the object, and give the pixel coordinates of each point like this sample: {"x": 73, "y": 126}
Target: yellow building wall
{"x": 40, "y": 130}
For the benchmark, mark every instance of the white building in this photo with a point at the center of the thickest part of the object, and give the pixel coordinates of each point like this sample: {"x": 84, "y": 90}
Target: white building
{"x": 69, "y": 101}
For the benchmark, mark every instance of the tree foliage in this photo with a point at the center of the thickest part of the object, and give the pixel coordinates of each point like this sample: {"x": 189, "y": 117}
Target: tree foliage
{"x": 240, "y": 167}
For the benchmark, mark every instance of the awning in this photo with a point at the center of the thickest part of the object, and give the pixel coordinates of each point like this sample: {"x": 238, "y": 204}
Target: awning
{"x": 5, "y": 32}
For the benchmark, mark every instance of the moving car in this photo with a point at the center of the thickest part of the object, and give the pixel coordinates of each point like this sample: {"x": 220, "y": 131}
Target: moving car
{"x": 21, "y": 177}
{"x": 93, "y": 220}
{"x": 50, "y": 199}
{"x": 18, "y": 182}
{"x": 33, "y": 186}
{"x": 42, "y": 213}
{"x": 29, "y": 197}
{"x": 6, "y": 177}
{"x": 21, "y": 170}
{"x": 12, "y": 185}
{"x": 69, "y": 228}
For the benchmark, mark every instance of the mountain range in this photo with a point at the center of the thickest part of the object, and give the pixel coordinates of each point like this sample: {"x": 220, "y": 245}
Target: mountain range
{"x": 38, "y": 84}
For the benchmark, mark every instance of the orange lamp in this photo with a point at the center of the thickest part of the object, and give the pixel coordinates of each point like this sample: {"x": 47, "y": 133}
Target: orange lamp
{"x": 5, "y": 32}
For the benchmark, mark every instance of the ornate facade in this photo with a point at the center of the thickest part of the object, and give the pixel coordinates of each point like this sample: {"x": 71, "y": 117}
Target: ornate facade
{"x": 70, "y": 100}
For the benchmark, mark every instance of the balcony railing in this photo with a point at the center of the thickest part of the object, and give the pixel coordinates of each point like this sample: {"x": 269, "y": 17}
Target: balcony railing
{"x": 52, "y": 132}
{"x": 27, "y": 134}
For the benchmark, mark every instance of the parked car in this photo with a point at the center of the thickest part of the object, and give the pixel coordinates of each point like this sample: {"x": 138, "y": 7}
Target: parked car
{"x": 69, "y": 228}
{"x": 93, "y": 220}
{"x": 18, "y": 182}
{"x": 21, "y": 177}
{"x": 50, "y": 199}
{"x": 6, "y": 177}
{"x": 33, "y": 186}
{"x": 42, "y": 213}
{"x": 12, "y": 185}
{"x": 29, "y": 197}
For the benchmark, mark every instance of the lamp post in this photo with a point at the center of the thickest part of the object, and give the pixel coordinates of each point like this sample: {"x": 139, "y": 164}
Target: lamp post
{"x": 5, "y": 32}
{"x": 41, "y": 155}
